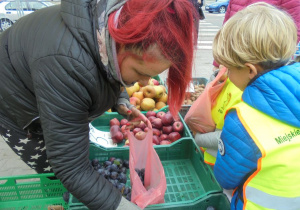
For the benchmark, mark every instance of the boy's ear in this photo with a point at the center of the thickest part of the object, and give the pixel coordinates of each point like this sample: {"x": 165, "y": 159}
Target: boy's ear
{"x": 253, "y": 70}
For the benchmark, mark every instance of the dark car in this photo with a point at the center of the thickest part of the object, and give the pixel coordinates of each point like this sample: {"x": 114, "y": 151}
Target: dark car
{"x": 219, "y": 6}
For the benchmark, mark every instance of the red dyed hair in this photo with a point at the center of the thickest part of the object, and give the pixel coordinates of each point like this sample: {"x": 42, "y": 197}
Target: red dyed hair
{"x": 170, "y": 25}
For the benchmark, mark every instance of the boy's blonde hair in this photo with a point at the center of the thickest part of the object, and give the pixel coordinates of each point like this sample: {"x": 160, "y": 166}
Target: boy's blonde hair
{"x": 259, "y": 34}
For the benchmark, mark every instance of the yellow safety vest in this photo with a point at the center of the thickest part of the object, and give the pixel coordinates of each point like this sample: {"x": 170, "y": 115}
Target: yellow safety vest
{"x": 229, "y": 96}
{"x": 275, "y": 184}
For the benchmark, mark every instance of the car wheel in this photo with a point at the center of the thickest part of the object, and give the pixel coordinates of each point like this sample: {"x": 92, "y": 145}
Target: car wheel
{"x": 210, "y": 12}
{"x": 5, "y": 24}
{"x": 222, "y": 9}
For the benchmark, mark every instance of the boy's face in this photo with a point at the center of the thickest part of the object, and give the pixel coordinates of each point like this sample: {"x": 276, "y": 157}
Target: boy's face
{"x": 239, "y": 77}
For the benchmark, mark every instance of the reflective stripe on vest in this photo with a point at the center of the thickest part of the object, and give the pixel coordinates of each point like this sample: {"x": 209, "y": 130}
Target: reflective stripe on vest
{"x": 275, "y": 184}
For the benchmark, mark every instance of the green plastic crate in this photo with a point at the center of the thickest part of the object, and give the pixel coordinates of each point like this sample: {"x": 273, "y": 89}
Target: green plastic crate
{"x": 102, "y": 124}
{"x": 37, "y": 191}
{"x": 190, "y": 182}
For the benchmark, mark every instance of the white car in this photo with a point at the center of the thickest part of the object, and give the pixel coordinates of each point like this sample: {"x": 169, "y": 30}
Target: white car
{"x": 11, "y": 11}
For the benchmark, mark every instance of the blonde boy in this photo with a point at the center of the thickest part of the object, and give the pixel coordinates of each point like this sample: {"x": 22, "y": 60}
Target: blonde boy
{"x": 259, "y": 148}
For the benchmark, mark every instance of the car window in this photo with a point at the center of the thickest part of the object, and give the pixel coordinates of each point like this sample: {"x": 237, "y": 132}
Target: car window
{"x": 36, "y": 5}
{"x": 16, "y": 6}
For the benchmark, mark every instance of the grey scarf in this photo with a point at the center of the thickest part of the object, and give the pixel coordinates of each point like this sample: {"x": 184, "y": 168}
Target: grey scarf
{"x": 107, "y": 46}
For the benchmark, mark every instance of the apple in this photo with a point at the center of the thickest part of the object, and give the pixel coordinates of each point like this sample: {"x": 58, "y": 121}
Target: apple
{"x": 174, "y": 136}
{"x": 114, "y": 121}
{"x": 178, "y": 126}
{"x": 156, "y": 132}
{"x": 154, "y": 81}
{"x": 142, "y": 125}
{"x": 150, "y": 82}
{"x": 136, "y": 87}
{"x": 150, "y": 113}
{"x": 160, "y": 105}
{"x": 167, "y": 119}
{"x": 157, "y": 123}
{"x": 130, "y": 90}
{"x": 164, "y": 98}
{"x": 125, "y": 135}
{"x": 117, "y": 137}
{"x": 156, "y": 140}
{"x": 114, "y": 129}
{"x": 139, "y": 95}
{"x": 140, "y": 135}
{"x": 146, "y": 129}
{"x": 147, "y": 104}
{"x": 160, "y": 114}
{"x": 159, "y": 91}
{"x": 123, "y": 122}
{"x": 165, "y": 142}
{"x": 151, "y": 118}
{"x": 166, "y": 129}
{"x": 127, "y": 142}
{"x": 164, "y": 88}
{"x": 149, "y": 91}
{"x": 135, "y": 130}
{"x": 134, "y": 101}
{"x": 163, "y": 136}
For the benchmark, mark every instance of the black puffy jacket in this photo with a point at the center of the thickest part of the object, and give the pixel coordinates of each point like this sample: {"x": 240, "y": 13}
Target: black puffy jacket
{"x": 50, "y": 71}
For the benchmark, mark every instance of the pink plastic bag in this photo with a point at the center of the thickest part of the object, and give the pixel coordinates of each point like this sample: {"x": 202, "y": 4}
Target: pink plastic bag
{"x": 142, "y": 155}
{"x": 199, "y": 117}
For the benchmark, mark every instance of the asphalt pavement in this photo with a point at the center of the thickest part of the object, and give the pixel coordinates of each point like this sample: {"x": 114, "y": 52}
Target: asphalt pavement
{"x": 11, "y": 164}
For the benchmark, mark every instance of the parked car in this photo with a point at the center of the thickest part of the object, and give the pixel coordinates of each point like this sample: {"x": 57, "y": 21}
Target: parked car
{"x": 11, "y": 11}
{"x": 219, "y": 6}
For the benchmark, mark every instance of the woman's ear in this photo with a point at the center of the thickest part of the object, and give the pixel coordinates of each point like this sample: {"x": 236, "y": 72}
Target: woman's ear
{"x": 253, "y": 70}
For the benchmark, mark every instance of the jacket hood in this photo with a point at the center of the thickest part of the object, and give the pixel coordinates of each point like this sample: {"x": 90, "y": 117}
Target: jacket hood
{"x": 84, "y": 19}
{"x": 277, "y": 93}
{"x": 76, "y": 14}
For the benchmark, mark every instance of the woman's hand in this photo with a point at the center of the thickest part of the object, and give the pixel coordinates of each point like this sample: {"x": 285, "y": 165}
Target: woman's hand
{"x": 134, "y": 115}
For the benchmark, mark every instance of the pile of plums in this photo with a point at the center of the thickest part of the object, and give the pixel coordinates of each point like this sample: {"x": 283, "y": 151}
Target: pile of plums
{"x": 114, "y": 170}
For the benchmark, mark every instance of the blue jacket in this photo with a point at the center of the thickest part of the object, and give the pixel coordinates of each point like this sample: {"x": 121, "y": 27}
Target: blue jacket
{"x": 277, "y": 94}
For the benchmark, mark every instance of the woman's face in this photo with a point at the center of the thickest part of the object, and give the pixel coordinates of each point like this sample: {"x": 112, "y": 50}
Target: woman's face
{"x": 136, "y": 69}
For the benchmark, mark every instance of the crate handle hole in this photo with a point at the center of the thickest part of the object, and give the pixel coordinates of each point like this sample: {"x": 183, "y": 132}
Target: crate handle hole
{"x": 207, "y": 201}
{"x": 18, "y": 181}
{"x": 3, "y": 181}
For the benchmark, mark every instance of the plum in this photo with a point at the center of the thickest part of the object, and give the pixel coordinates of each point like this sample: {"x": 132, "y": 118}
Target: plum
{"x": 112, "y": 159}
{"x": 114, "y": 167}
{"x": 123, "y": 170}
{"x": 101, "y": 171}
{"x": 128, "y": 196}
{"x": 66, "y": 196}
{"x": 122, "y": 178}
{"x": 107, "y": 163}
{"x": 106, "y": 174}
{"x": 126, "y": 164}
{"x": 114, "y": 175}
{"x": 126, "y": 191}
{"x": 95, "y": 162}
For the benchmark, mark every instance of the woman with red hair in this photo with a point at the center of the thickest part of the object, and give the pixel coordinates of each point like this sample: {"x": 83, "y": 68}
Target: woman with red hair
{"x": 159, "y": 32}
{"x": 63, "y": 66}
